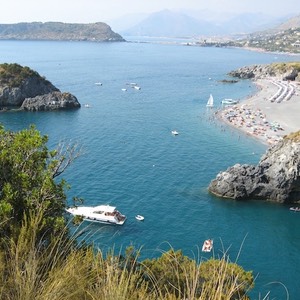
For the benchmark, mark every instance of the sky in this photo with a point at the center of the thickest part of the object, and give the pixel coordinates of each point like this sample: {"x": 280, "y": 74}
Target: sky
{"x": 90, "y": 11}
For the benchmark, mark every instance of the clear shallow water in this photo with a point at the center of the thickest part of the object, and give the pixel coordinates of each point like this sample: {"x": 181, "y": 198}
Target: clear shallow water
{"x": 131, "y": 160}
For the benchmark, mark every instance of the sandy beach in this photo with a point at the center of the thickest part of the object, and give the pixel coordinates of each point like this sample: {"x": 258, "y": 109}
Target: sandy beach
{"x": 271, "y": 113}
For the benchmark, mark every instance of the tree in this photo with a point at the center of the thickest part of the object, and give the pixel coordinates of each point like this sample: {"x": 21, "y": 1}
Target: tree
{"x": 28, "y": 183}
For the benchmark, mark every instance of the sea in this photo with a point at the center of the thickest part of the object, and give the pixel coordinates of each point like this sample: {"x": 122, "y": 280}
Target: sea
{"x": 130, "y": 159}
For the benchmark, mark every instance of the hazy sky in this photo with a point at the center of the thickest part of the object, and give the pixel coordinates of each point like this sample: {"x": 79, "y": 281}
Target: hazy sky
{"x": 89, "y": 11}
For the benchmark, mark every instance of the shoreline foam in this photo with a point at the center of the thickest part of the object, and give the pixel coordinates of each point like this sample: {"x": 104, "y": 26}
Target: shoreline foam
{"x": 268, "y": 115}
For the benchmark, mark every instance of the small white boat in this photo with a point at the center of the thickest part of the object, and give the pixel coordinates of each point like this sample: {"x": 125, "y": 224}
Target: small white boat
{"x": 87, "y": 105}
{"x": 124, "y": 90}
{"x": 136, "y": 87}
{"x": 98, "y": 83}
{"x": 174, "y": 132}
{"x": 229, "y": 102}
{"x": 102, "y": 214}
{"x": 139, "y": 218}
{"x": 295, "y": 209}
{"x": 207, "y": 245}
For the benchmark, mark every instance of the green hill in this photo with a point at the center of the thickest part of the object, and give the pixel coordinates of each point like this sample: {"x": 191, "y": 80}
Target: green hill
{"x": 98, "y": 32}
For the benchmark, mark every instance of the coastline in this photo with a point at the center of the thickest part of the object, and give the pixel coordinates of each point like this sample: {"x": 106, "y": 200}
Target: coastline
{"x": 268, "y": 115}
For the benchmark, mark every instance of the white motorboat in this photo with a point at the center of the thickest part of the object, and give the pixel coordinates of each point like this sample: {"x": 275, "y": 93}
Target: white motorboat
{"x": 137, "y": 87}
{"x": 295, "y": 209}
{"x": 102, "y": 214}
{"x": 229, "y": 102}
{"x": 98, "y": 83}
{"x": 174, "y": 132}
{"x": 139, "y": 218}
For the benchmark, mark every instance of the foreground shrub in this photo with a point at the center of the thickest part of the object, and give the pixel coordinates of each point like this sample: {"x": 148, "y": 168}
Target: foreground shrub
{"x": 40, "y": 260}
{"x": 177, "y": 275}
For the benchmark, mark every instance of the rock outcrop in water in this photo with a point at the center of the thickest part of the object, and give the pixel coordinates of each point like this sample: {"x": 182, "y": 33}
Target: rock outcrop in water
{"x": 50, "y": 101}
{"x": 285, "y": 71}
{"x": 275, "y": 178}
{"x": 23, "y": 88}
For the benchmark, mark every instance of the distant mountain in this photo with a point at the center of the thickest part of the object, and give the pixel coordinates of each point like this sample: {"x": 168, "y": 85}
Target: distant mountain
{"x": 127, "y": 21}
{"x": 99, "y": 32}
{"x": 249, "y": 22}
{"x": 281, "y": 38}
{"x": 293, "y": 22}
{"x": 170, "y": 24}
{"x": 196, "y": 23}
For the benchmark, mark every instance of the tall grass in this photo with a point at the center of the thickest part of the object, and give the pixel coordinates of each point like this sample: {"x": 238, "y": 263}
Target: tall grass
{"x": 62, "y": 270}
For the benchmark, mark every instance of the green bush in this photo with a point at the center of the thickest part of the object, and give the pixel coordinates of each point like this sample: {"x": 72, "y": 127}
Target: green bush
{"x": 14, "y": 75}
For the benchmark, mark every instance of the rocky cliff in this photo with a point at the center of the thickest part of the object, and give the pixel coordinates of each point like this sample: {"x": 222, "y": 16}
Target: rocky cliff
{"x": 50, "y": 101}
{"x": 98, "y": 32}
{"x": 21, "y": 87}
{"x": 275, "y": 178}
{"x": 285, "y": 71}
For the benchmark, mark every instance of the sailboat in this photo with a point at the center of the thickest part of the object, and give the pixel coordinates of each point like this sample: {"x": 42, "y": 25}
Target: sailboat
{"x": 210, "y": 102}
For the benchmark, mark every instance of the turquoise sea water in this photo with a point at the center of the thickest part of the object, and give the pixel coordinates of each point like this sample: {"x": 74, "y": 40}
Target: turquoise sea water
{"x": 131, "y": 160}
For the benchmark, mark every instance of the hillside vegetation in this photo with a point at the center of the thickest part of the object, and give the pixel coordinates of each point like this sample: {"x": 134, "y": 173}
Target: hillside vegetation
{"x": 13, "y": 75}
{"x": 281, "y": 41}
{"x": 295, "y": 136}
{"x": 285, "y": 67}
{"x": 98, "y": 32}
{"x": 40, "y": 260}
{"x": 282, "y": 38}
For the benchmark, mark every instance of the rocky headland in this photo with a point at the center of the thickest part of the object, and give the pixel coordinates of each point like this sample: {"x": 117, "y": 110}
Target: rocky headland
{"x": 275, "y": 178}
{"x": 58, "y": 31}
{"x": 284, "y": 71}
{"x": 24, "y": 89}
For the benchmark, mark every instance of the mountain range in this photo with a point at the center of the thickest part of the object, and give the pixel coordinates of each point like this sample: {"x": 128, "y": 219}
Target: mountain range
{"x": 168, "y": 23}
{"x": 164, "y": 23}
{"x": 290, "y": 23}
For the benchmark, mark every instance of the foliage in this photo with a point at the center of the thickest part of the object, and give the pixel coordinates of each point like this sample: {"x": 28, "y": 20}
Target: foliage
{"x": 64, "y": 271}
{"x": 286, "y": 66}
{"x": 77, "y": 220}
{"x": 14, "y": 75}
{"x": 169, "y": 271}
{"x": 294, "y": 136}
{"x": 59, "y": 31}
{"x": 176, "y": 274}
{"x": 280, "y": 41}
{"x": 224, "y": 278}
{"x": 40, "y": 260}
{"x": 27, "y": 183}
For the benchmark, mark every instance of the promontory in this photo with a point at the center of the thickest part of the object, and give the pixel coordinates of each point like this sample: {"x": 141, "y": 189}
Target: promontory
{"x": 271, "y": 116}
{"x": 24, "y": 89}
{"x": 275, "y": 178}
{"x": 58, "y": 31}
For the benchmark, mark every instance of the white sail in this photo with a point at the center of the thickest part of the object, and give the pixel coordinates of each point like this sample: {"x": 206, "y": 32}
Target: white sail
{"x": 210, "y": 102}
